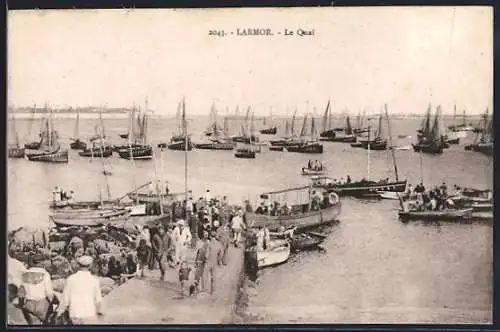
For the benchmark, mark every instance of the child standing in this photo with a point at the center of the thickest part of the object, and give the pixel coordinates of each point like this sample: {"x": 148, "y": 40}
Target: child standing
{"x": 184, "y": 271}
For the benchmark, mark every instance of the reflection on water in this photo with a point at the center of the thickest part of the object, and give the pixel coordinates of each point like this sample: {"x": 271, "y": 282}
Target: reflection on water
{"x": 376, "y": 269}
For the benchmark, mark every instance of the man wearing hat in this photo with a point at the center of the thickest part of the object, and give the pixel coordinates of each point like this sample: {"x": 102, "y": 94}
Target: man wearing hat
{"x": 158, "y": 249}
{"x": 182, "y": 237}
{"x": 82, "y": 295}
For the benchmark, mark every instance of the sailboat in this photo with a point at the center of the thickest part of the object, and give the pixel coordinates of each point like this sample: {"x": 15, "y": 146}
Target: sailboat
{"x": 483, "y": 141}
{"x": 15, "y": 150}
{"x": 50, "y": 150}
{"x": 347, "y": 134}
{"x": 76, "y": 143}
{"x": 35, "y": 145}
{"x": 461, "y": 129}
{"x": 139, "y": 147}
{"x": 248, "y": 150}
{"x": 359, "y": 126}
{"x": 99, "y": 146}
{"x": 242, "y": 138}
{"x": 429, "y": 138}
{"x": 269, "y": 130}
{"x": 289, "y": 137}
{"x": 214, "y": 126}
{"x": 131, "y": 118}
{"x": 180, "y": 141}
{"x": 379, "y": 142}
{"x": 308, "y": 140}
{"x": 365, "y": 187}
{"x": 328, "y": 131}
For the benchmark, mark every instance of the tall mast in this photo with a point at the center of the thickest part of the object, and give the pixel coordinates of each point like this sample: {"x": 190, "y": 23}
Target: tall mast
{"x": 101, "y": 150}
{"x": 184, "y": 126}
{"x": 390, "y": 142}
{"x": 369, "y": 130}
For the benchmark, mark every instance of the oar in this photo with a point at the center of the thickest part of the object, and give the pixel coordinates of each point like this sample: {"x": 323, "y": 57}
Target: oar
{"x": 133, "y": 191}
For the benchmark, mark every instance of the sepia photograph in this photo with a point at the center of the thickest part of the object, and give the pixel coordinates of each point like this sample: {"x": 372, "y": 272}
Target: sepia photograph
{"x": 306, "y": 165}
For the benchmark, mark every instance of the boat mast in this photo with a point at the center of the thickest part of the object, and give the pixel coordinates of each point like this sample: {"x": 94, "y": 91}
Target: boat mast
{"x": 131, "y": 155}
{"x": 184, "y": 127}
{"x": 101, "y": 150}
{"x": 390, "y": 143}
{"x": 369, "y": 130}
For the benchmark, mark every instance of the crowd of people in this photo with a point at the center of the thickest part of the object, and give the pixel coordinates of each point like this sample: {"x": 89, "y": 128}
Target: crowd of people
{"x": 208, "y": 226}
{"x": 419, "y": 198}
{"x": 318, "y": 201}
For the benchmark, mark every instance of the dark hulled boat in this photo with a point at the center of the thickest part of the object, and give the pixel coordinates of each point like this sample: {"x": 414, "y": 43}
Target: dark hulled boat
{"x": 125, "y": 136}
{"x": 78, "y": 145}
{"x": 138, "y": 152}
{"x": 483, "y": 142}
{"x": 358, "y": 188}
{"x": 180, "y": 144}
{"x": 245, "y": 153}
{"x": 269, "y": 131}
{"x": 103, "y": 152}
{"x": 429, "y": 138}
{"x": 15, "y": 151}
{"x": 307, "y": 147}
{"x": 56, "y": 156}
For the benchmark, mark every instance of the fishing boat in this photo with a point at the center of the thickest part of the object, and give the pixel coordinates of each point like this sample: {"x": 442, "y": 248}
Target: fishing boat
{"x": 273, "y": 256}
{"x": 125, "y": 136}
{"x": 50, "y": 150}
{"x": 251, "y": 135}
{"x": 327, "y": 130}
{"x": 76, "y": 143}
{"x": 378, "y": 142}
{"x": 89, "y": 213}
{"x": 429, "y": 138}
{"x": 461, "y": 130}
{"x": 35, "y": 145}
{"x": 97, "y": 150}
{"x": 15, "y": 150}
{"x": 477, "y": 193}
{"x": 483, "y": 141}
{"x": 300, "y": 200}
{"x": 89, "y": 222}
{"x": 180, "y": 141}
{"x": 308, "y": 140}
{"x": 448, "y": 214}
{"x": 342, "y": 135}
{"x": 214, "y": 127}
{"x": 400, "y": 147}
{"x": 359, "y": 187}
{"x": 299, "y": 241}
{"x": 141, "y": 150}
{"x": 270, "y": 130}
{"x": 247, "y": 150}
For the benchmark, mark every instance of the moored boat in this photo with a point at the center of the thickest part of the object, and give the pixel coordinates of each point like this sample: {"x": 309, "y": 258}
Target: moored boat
{"x": 448, "y": 214}
{"x": 301, "y": 215}
{"x": 307, "y": 147}
{"x": 269, "y": 131}
{"x": 15, "y": 151}
{"x": 245, "y": 153}
{"x": 124, "y": 135}
{"x": 137, "y": 153}
{"x": 77, "y": 144}
{"x": 273, "y": 256}
{"x": 216, "y": 145}
{"x": 89, "y": 222}
{"x": 57, "y": 156}
{"x": 358, "y": 187}
{"x": 104, "y": 152}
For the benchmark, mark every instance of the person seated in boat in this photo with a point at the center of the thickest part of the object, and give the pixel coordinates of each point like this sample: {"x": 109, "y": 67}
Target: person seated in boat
{"x": 309, "y": 164}
{"x": 285, "y": 210}
{"x": 56, "y": 194}
{"x": 348, "y": 181}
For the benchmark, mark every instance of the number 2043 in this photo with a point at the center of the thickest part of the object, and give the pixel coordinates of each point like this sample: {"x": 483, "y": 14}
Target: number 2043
{"x": 219, "y": 33}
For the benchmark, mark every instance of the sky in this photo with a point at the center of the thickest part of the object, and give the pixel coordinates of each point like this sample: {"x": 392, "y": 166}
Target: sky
{"x": 359, "y": 58}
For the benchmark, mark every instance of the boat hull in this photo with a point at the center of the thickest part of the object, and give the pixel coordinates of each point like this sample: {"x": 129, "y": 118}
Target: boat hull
{"x": 273, "y": 256}
{"x": 137, "y": 153}
{"x": 427, "y": 148}
{"x": 124, "y": 135}
{"x": 32, "y": 145}
{"x": 377, "y": 146}
{"x": 104, "y": 153}
{"x": 340, "y": 139}
{"x": 307, "y": 171}
{"x": 16, "y": 152}
{"x": 180, "y": 145}
{"x": 269, "y": 131}
{"x": 356, "y": 189}
{"x": 277, "y": 148}
{"x": 152, "y": 198}
{"x": 307, "y": 148}
{"x": 301, "y": 221}
{"x": 52, "y": 157}
{"x": 215, "y": 146}
{"x": 88, "y": 222}
{"x": 459, "y": 214}
{"x": 78, "y": 145}
{"x": 245, "y": 154}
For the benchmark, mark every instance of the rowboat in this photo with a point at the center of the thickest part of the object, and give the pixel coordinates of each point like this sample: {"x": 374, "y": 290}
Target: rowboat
{"x": 245, "y": 153}
{"x": 89, "y": 214}
{"x": 448, "y": 214}
{"x": 273, "y": 256}
{"x": 300, "y": 241}
{"x": 301, "y": 220}
{"x": 89, "y": 222}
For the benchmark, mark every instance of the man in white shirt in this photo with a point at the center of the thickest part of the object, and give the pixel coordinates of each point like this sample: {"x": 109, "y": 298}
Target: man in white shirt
{"x": 182, "y": 239}
{"x": 237, "y": 225}
{"x": 82, "y": 295}
{"x": 36, "y": 294}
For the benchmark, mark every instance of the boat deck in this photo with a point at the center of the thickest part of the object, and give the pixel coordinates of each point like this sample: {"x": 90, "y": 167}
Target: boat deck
{"x": 151, "y": 301}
